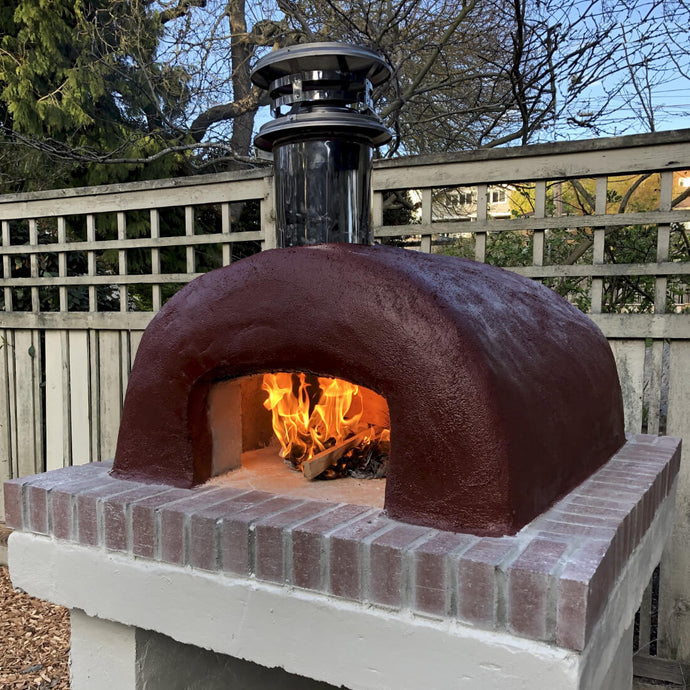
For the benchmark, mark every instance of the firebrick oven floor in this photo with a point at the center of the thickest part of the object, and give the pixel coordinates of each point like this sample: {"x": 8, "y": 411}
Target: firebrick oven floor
{"x": 265, "y": 470}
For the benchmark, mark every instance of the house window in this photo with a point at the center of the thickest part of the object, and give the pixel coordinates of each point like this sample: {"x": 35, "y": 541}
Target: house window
{"x": 497, "y": 196}
{"x": 465, "y": 198}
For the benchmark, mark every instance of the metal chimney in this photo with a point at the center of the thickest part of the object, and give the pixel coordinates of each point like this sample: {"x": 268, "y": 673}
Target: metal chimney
{"x": 322, "y": 138}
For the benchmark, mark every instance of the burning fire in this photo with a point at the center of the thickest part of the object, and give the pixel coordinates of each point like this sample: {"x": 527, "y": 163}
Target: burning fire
{"x": 305, "y": 428}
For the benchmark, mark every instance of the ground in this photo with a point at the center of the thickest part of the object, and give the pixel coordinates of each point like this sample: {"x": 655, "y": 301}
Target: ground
{"x": 34, "y": 641}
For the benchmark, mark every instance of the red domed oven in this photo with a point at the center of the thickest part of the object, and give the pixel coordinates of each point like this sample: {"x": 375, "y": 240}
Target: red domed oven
{"x": 499, "y": 396}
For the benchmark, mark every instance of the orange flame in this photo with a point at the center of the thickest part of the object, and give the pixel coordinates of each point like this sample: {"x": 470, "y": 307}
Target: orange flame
{"x": 302, "y": 433}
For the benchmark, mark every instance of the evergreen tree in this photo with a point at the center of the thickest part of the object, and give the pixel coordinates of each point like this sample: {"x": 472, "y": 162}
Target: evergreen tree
{"x": 79, "y": 77}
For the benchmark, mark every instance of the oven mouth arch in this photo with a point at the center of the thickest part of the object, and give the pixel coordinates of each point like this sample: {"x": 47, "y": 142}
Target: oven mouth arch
{"x": 345, "y": 426}
{"x": 319, "y": 413}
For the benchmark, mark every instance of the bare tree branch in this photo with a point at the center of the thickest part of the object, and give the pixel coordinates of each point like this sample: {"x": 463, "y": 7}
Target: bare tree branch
{"x": 179, "y": 10}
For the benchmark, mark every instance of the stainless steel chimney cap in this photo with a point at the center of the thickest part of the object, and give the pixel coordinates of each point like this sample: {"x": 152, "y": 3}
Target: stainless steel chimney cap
{"x": 327, "y": 56}
{"x": 322, "y": 137}
{"x": 321, "y": 90}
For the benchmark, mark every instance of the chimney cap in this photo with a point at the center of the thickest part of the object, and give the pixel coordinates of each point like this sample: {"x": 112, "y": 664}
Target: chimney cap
{"x": 356, "y": 60}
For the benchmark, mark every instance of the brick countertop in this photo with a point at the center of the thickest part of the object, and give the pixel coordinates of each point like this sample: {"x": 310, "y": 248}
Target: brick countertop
{"x": 549, "y": 582}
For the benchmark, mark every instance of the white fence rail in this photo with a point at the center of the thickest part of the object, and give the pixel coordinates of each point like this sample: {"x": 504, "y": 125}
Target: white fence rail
{"x": 84, "y": 270}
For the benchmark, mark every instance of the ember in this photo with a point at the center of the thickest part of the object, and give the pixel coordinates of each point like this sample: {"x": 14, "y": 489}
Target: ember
{"x": 323, "y": 426}
{"x": 365, "y": 461}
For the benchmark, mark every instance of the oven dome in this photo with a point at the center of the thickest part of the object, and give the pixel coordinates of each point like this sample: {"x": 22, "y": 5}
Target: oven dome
{"x": 502, "y": 396}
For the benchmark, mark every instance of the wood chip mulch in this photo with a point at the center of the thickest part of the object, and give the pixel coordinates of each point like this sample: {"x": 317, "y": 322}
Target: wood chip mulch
{"x": 34, "y": 641}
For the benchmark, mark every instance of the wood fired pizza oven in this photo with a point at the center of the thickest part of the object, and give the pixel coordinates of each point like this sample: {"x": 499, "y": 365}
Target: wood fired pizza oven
{"x": 502, "y": 396}
{"x": 499, "y": 396}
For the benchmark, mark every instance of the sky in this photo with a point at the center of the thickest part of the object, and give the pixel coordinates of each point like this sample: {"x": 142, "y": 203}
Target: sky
{"x": 656, "y": 30}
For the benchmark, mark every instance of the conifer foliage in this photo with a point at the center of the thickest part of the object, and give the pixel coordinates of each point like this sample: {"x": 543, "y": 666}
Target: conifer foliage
{"x": 81, "y": 80}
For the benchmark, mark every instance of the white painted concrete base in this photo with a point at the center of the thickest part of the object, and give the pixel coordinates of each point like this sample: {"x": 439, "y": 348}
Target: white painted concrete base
{"x": 620, "y": 672}
{"x": 164, "y": 664}
{"x": 309, "y": 634}
{"x": 110, "y": 656}
{"x": 114, "y": 656}
{"x": 102, "y": 653}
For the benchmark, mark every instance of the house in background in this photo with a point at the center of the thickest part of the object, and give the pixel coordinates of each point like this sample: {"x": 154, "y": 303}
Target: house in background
{"x": 459, "y": 204}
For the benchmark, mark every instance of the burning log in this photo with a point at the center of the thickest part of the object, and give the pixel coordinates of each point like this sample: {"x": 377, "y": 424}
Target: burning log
{"x": 322, "y": 461}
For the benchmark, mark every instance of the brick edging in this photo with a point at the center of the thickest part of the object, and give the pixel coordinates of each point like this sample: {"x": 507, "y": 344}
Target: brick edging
{"x": 549, "y": 582}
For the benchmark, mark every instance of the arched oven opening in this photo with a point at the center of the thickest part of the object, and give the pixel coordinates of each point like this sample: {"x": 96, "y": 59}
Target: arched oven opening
{"x": 300, "y": 433}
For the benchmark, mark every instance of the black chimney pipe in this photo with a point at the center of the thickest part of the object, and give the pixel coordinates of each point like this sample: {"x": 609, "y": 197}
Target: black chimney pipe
{"x": 322, "y": 138}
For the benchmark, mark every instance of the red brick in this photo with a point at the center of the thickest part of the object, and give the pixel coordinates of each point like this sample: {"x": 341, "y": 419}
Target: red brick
{"x": 432, "y": 589}
{"x": 62, "y": 518}
{"x": 143, "y": 520}
{"x": 645, "y": 480}
{"x": 387, "y": 575}
{"x": 632, "y": 439}
{"x": 656, "y": 452}
{"x": 114, "y": 512}
{"x": 204, "y": 544}
{"x": 64, "y": 475}
{"x": 618, "y": 549}
{"x": 668, "y": 443}
{"x": 644, "y": 513}
{"x": 627, "y": 532}
{"x": 174, "y": 518}
{"x": 529, "y": 579}
{"x": 17, "y": 493}
{"x": 309, "y": 545}
{"x": 236, "y": 546}
{"x": 571, "y": 630}
{"x": 87, "y": 500}
{"x": 478, "y": 587}
{"x": 345, "y": 554}
{"x": 659, "y": 490}
{"x": 637, "y": 524}
{"x": 583, "y": 588}
{"x": 585, "y": 518}
{"x": 610, "y": 491}
{"x": 674, "y": 464}
{"x": 14, "y": 502}
{"x": 115, "y": 517}
{"x": 629, "y": 480}
{"x": 574, "y": 508}
{"x": 37, "y": 505}
{"x": 566, "y": 529}
{"x": 625, "y": 466}
{"x": 615, "y": 528}
{"x": 270, "y": 534}
{"x": 645, "y": 454}
{"x": 661, "y": 485}
{"x": 598, "y": 504}
{"x": 37, "y": 490}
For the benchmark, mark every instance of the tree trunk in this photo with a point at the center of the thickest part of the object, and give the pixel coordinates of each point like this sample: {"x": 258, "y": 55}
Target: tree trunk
{"x": 241, "y": 51}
